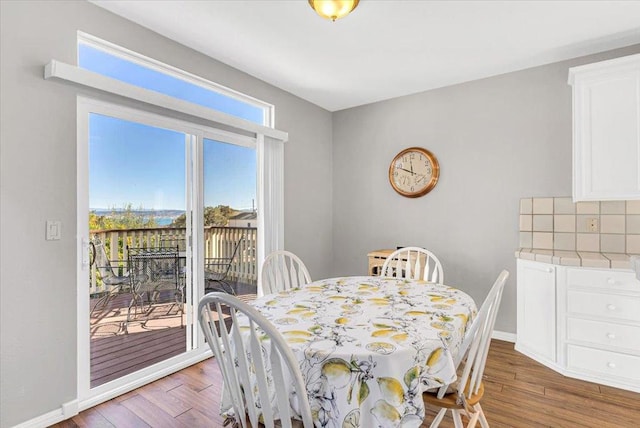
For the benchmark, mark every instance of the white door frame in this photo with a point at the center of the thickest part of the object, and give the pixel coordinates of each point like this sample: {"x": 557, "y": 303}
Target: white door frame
{"x": 88, "y": 397}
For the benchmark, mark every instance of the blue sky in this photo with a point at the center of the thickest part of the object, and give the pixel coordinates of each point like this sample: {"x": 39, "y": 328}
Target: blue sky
{"x": 145, "y": 166}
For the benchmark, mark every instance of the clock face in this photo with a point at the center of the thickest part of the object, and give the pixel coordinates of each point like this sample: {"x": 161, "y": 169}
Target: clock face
{"x": 414, "y": 172}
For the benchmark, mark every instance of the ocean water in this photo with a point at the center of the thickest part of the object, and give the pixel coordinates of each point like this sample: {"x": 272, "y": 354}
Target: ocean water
{"x": 164, "y": 221}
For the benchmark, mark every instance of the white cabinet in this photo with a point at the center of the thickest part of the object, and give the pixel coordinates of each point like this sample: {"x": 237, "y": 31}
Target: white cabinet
{"x": 599, "y": 325}
{"x": 606, "y": 130}
{"x": 581, "y": 322}
{"x": 536, "y": 297}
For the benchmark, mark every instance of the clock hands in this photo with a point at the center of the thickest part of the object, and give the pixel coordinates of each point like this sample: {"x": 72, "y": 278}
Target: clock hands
{"x": 410, "y": 172}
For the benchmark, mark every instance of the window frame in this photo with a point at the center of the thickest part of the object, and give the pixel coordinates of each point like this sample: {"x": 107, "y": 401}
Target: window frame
{"x": 268, "y": 110}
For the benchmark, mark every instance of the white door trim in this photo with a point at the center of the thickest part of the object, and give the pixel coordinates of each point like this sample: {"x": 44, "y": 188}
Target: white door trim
{"x": 87, "y": 396}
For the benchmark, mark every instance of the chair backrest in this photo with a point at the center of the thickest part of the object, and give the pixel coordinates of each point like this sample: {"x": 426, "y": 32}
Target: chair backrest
{"x": 103, "y": 264}
{"x": 247, "y": 373}
{"x": 156, "y": 267}
{"x": 283, "y": 270}
{"x": 413, "y": 263}
{"x": 235, "y": 252}
{"x": 475, "y": 345}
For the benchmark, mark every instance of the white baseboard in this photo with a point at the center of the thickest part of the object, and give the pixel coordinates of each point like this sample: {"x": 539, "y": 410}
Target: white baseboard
{"x": 501, "y": 335}
{"x": 65, "y": 411}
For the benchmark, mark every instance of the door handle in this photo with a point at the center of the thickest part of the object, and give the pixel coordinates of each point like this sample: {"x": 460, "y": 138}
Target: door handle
{"x": 84, "y": 250}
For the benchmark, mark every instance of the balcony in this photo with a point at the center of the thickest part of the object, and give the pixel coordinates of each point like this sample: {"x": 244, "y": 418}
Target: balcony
{"x": 120, "y": 346}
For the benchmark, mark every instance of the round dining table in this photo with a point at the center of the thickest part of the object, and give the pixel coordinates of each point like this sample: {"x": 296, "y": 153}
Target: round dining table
{"x": 368, "y": 347}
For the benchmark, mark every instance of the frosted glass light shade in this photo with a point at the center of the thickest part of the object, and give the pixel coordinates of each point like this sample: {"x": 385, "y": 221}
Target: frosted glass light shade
{"x": 333, "y": 9}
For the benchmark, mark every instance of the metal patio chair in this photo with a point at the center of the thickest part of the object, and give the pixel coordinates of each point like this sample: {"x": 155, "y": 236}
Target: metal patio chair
{"x": 152, "y": 272}
{"x": 114, "y": 283}
{"x": 216, "y": 271}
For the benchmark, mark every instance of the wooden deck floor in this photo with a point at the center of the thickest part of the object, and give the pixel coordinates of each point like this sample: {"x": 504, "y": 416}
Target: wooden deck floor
{"x": 147, "y": 340}
{"x": 519, "y": 393}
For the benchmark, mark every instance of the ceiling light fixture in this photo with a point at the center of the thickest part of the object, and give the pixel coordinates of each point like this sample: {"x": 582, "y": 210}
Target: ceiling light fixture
{"x": 333, "y": 9}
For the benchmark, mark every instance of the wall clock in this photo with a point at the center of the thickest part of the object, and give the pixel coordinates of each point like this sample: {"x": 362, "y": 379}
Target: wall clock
{"x": 414, "y": 172}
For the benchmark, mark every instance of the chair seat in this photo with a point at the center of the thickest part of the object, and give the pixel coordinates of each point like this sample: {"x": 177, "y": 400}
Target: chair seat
{"x": 449, "y": 401}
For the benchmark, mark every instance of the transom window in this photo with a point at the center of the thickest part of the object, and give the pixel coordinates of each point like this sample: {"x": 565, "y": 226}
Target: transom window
{"x": 122, "y": 64}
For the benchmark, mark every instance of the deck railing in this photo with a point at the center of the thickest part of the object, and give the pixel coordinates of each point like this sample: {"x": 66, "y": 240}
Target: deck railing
{"x": 218, "y": 242}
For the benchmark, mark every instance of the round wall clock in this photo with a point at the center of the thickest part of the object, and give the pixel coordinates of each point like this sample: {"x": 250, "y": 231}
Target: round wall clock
{"x": 414, "y": 172}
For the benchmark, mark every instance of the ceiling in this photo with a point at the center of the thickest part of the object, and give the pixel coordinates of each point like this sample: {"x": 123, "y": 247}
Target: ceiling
{"x": 386, "y": 49}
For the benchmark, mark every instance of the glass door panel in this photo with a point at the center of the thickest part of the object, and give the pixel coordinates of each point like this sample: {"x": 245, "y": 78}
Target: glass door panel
{"x": 137, "y": 228}
{"x": 230, "y": 218}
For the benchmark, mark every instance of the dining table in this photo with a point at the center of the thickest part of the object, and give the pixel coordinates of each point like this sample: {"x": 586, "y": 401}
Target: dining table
{"x": 368, "y": 347}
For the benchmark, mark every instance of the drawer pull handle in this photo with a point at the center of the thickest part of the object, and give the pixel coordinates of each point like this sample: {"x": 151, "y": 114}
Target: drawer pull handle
{"x": 611, "y": 335}
{"x": 611, "y": 307}
{"x": 611, "y": 281}
{"x": 611, "y": 365}
{"x": 549, "y": 270}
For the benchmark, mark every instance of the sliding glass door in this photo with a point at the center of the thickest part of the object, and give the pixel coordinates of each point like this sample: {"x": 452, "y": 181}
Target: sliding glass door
{"x": 159, "y": 201}
{"x": 230, "y": 218}
{"x": 137, "y": 284}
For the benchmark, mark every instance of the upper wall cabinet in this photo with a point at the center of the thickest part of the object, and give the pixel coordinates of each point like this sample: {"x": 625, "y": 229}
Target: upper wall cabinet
{"x": 606, "y": 130}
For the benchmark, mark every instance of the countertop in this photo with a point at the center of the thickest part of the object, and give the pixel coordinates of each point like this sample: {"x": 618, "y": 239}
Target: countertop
{"x": 572, "y": 258}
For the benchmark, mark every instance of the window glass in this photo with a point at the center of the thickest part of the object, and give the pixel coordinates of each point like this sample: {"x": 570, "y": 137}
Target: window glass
{"x": 102, "y": 62}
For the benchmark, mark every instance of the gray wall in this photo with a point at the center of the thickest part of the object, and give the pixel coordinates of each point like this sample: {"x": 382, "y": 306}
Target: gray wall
{"x": 38, "y": 178}
{"x": 497, "y": 140}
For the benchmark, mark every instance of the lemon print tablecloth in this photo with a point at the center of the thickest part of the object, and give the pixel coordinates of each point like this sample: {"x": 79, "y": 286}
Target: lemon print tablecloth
{"x": 369, "y": 346}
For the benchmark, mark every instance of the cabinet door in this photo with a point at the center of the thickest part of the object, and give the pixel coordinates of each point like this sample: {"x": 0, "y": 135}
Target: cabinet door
{"x": 606, "y": 108}
{"x": 537, "y": 310}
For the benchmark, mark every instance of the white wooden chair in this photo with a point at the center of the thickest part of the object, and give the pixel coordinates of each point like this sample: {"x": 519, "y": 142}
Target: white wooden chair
{"x": 283, "y": 270}
{"x": 413, "y": 263}
{"x": 469, "y": 389}
{"x": 239, "y": 363}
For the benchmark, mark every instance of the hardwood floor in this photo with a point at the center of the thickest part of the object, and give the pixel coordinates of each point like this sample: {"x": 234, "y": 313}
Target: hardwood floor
{"x": 519, "y": 393}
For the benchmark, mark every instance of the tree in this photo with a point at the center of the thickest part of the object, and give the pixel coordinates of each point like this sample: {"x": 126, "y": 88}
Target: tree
{"x": 126, "y": 218}
{"x": 213, "y": 216}
{"x": 218, "y": 216}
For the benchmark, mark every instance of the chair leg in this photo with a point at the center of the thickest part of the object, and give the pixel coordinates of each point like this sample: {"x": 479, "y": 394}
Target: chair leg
{"x": 457, "y": 420}
{"x": 438, "y": 418}
{"x": 179, "y": 296}
{"x": 473, "y": 417}
{"x": 483, "y": 419}
{"x": 102, "y": 301}
{"x": 137, "y": 300}
{"x": 223, "y": 286}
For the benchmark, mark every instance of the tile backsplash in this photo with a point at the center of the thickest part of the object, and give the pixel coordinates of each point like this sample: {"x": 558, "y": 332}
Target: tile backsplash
{"x": 561, "y": 224}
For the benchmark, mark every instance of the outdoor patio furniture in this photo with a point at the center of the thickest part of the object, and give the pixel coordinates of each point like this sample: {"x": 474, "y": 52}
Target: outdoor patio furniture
{"x": 113, "y": 283}
{"x": 153, "y": 271}
{"x": 216, "y": 271}
{"x": 173, "y": 242}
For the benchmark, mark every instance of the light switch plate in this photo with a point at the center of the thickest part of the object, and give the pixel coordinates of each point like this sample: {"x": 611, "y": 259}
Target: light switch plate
{"x": 54, "y": 230}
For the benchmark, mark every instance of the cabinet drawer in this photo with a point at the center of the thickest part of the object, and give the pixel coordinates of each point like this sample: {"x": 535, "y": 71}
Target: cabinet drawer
{"x": 604, "y": 305}
{"x": 607, "y": 279}
{"x": 608, "y": 364}
{"x": 604, "y": 334}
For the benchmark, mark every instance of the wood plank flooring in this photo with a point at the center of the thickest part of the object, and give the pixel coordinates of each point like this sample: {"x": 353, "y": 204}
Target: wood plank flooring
{"x": 519, "y": 393}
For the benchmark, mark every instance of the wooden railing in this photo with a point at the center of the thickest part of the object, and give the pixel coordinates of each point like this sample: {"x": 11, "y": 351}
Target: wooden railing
{"x": 218, "y": 242}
